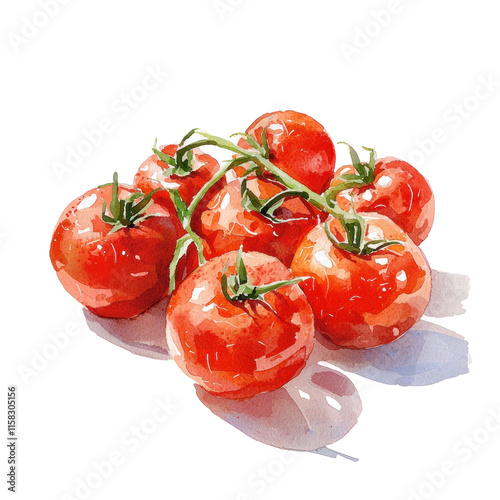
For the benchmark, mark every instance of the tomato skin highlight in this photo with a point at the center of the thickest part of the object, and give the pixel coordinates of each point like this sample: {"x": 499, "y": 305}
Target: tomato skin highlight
{"x": 114, "y": 274}
{"x": 237, "y": 349}
{"x": 150, "y": 177}
{"x": 399, "y": 192}
{"x": 226, "y": 225}
{"x": 363, "y": 301}
{"x": 298, "y": 145}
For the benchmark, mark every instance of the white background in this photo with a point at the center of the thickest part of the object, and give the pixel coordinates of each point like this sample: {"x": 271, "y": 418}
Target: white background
{"x": 226, "y": 67}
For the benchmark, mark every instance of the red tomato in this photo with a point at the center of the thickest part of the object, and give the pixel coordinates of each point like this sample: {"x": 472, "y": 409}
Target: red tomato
{"x": 114, "y": 273}
{"x": 363, "y": 301}
{"x": 399, "y": 192}
{"x": 298, "y": 145}
{"x": 237, "y": 349}
{"x": 226, "y": 225}
{"x": 150, "y": 177}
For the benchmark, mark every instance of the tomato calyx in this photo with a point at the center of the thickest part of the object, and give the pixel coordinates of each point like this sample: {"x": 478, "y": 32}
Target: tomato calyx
{"x": 355, "y": 229}
{"x": 264, "y": 149}
{"x": 365, "y": 174}
{"x": 239, "y": 287}
{"x": 181, "y": 166}
{"x": 128, "y": 212}
{"x": 267, "y": 207}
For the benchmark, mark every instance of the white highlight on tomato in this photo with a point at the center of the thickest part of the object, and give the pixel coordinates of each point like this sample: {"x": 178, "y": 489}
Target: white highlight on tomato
{"x": 375, "y": 234}
{"x": 86, "y": 230}
{"x": 276, "y": 126}
{"x": 367, "y": 195}
{"x": 382, "y": 261}
{"x": 208, "y": 308}
{"x": 87, "y": 202}
{"x": 304, "y": 395}
{"x": 196, "y": 293}
{"x": 170, "y": 185}
{"x": 225, "y": 201}
{"x": 401, "y": 276}
{"x": 333, "y": 403}
{"x": 384, "y": 181}
{"x": 322, "y": 258}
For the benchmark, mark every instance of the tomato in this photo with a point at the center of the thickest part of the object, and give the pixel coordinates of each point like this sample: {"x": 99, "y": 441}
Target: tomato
{"x": 362, "y": 301}
{"x": 150, "y": 177}
{"x": 399, "y": 191}
{"x": 114, "y": 271}
{"x": 226, "y": 225}
{"x": 239, "y": 348}
{"x": 298, "y": 145}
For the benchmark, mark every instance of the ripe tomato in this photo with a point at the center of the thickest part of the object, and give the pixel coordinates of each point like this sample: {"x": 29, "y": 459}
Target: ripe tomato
{"x": 298, "y": 145}
{"x": 226, "y": 225}
{"x": 150, "y": 176}
{"x": 362, "y": 301}
{"x": 399, "y": 192}
{"x": 239, "y": 348}
{"x": 114, "y": 271}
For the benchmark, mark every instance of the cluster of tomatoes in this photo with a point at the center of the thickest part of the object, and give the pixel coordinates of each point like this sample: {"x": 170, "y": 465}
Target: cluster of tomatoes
{"x": 257, "y": 254}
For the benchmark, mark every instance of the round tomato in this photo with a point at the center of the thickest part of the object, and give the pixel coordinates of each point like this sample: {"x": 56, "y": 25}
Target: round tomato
{"x": 242, "y": 347}
{"x": 399, "y": 191}
{"x": 150, "y": 177}
{"x": 362, "y": 301}
{"x": 226, "y": 225}
{"x": 114, "y": 269}
{"x": 298, "y": 145}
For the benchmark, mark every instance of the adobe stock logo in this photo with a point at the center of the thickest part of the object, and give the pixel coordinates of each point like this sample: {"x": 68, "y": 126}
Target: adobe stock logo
{"x": 41, "y": 358}
{"x": 121, "y": 108}
{"x": 453, "y": 118}
{"x": 464, "y": 450}
{"x": 100, "y": 471}
{"x": 223, "y": 7}
{"x": 365, "y": 34}
{"x": 31, "y": 27}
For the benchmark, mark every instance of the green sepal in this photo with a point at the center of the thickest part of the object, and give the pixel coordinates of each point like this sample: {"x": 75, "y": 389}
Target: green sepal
{"x": 251, "y": 202}
{"x": 126, "y": 213}
{"x": 376, "y": 245}
{"x": 238, "y": 287}
{"x": 164, "y": 157}
{"x": 365, "y": 175}
{"x": 353, "y": 245}
{"x": 188, "y": 136}
{"x": 251, "y": 141}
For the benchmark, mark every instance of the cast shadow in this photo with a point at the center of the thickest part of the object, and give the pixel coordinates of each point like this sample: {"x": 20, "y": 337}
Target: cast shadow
{"x": 425, "y": 355}
{"x": 448, "y": 293}
{"x": 143, "y": 335}
{"x": 313, "y": 410}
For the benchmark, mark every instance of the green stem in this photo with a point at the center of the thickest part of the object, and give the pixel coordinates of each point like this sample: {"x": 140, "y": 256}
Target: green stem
{"x": 198, "y": 243}
{"x": 314, "y": 198}
{"x": 181, "y": 248}
{"x": 211, "y": 183}
{"x": 262, "y": 289}
{"x": 353, "y": 224}
{"x": 185, "y": 215}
